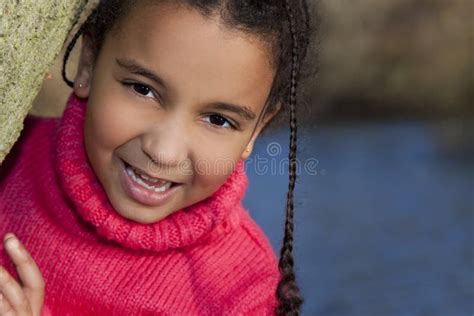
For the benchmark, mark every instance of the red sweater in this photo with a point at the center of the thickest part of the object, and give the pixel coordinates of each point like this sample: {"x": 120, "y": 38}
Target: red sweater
{"x": 208, "y": 259}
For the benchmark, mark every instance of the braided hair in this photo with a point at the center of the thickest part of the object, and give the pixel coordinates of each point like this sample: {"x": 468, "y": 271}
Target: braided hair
{"x": 285, "y": 25}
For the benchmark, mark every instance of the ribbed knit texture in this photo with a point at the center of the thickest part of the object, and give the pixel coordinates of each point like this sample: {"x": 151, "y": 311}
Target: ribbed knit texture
{"x": 208, "y": 259}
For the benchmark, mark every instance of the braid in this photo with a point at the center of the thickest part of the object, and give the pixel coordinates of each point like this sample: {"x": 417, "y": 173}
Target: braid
{"x": 71, "y": 45}
{"x": 69, "y": 48}
{"x": 287, "y": 291}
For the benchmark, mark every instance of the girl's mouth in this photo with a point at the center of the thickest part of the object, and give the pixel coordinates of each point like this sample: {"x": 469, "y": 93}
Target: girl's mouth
{"x": 144, "y": 188}
{"x": 155, "y": 184}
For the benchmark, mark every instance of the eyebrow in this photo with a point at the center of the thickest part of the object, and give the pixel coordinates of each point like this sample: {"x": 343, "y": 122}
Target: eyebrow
{"x": 243, "y": 111}
{"x": 135, "y": 68}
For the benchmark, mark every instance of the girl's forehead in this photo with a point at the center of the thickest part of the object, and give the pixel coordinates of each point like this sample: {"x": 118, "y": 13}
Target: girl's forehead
{"x": 192, "y": 52}
{"x": 184, "y": 26}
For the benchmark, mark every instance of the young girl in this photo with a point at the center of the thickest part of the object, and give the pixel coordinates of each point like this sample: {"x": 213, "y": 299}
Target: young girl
{"x": 131, "y": 203}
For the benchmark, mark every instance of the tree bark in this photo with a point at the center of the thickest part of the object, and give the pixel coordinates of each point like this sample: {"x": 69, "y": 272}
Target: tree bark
{"x": 32, "y": 33}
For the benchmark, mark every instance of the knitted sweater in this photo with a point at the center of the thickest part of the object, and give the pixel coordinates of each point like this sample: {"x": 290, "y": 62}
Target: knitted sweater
{"x": 210, "y": 258}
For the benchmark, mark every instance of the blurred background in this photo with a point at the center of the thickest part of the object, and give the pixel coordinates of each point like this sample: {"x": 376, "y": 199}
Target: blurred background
{"x": 384, "y": 215}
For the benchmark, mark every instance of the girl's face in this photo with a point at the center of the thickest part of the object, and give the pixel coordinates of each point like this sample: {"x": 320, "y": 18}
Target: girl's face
{"x": 176, "y": 87}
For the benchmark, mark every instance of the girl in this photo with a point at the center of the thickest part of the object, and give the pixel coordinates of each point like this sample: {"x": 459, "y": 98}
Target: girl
{"x": 130, "y": 204}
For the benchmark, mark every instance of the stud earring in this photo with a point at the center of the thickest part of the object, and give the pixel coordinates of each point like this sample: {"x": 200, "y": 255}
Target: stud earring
{"x": 247, "y": 150}
{"x": 81, "y": 85}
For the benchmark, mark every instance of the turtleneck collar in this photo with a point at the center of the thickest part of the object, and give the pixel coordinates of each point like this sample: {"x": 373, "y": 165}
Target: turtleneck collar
{"x": 213, "y": 215}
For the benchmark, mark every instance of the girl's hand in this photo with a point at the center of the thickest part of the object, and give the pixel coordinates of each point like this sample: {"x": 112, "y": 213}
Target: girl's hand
{"x": 24, "y": 298}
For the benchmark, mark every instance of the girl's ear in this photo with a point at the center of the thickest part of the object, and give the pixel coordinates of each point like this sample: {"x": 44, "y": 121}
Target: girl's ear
{"x": 265, "y": 120}
{"x": 82, "y": 82}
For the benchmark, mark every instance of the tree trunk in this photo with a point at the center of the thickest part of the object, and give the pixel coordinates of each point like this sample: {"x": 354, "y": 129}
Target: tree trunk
{"x": 32, "y": 33}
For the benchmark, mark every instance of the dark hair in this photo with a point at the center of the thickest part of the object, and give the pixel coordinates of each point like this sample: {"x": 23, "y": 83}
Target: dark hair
{"x": 285, "y": 26}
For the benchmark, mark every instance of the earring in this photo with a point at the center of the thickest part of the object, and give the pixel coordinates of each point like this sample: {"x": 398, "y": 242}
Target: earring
{"x": 81, "y": 85}
{"x": 247, "y": 150}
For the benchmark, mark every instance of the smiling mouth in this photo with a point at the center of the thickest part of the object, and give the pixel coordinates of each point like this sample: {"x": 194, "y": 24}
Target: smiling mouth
{"x": 150, "y": 191}
{"x": 145, "y": 180}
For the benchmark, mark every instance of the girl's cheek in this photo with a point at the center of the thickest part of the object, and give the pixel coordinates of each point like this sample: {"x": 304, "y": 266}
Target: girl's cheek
{"x": 214, "y": 166}
{"x": 114, "y": 124}
{"x": 208, "y": 182}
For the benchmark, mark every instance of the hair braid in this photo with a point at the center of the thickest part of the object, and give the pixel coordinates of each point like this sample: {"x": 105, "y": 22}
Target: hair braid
{"x": 287, "y": 290}
{"x": 69, "y": 48}
{"x": 71, "y": 45}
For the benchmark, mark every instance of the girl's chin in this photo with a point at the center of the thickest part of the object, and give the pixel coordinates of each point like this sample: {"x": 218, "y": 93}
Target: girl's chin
{"x": 142, "y": 214}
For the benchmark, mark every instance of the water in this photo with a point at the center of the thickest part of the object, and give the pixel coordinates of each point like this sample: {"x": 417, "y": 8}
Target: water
{"x": 384, "y": 222}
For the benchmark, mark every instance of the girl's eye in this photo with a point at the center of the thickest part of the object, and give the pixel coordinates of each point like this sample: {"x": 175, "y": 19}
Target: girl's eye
{"x": 142, "y": 89}
{"x": 219, "y": 121}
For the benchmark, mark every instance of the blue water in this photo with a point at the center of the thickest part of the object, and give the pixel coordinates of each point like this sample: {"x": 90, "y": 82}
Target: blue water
{"x": 384, "y": 218}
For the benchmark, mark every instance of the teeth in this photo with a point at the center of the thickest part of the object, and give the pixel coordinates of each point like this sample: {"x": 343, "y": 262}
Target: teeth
{"x": 137, "y": 179}
{"x": 144, "y": 176}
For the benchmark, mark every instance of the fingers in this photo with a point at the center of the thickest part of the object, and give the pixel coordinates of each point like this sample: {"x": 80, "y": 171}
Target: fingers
{"x": 28, "y": 272}
{"x": 14, "y": 300}
{"x": 5, "y": 308}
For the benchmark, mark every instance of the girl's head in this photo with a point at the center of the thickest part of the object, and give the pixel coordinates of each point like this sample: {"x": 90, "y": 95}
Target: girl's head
{"x": 181, "y": 90}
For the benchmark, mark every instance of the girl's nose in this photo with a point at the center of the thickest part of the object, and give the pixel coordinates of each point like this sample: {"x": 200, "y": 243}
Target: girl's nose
{"x": 166, "y": 144}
